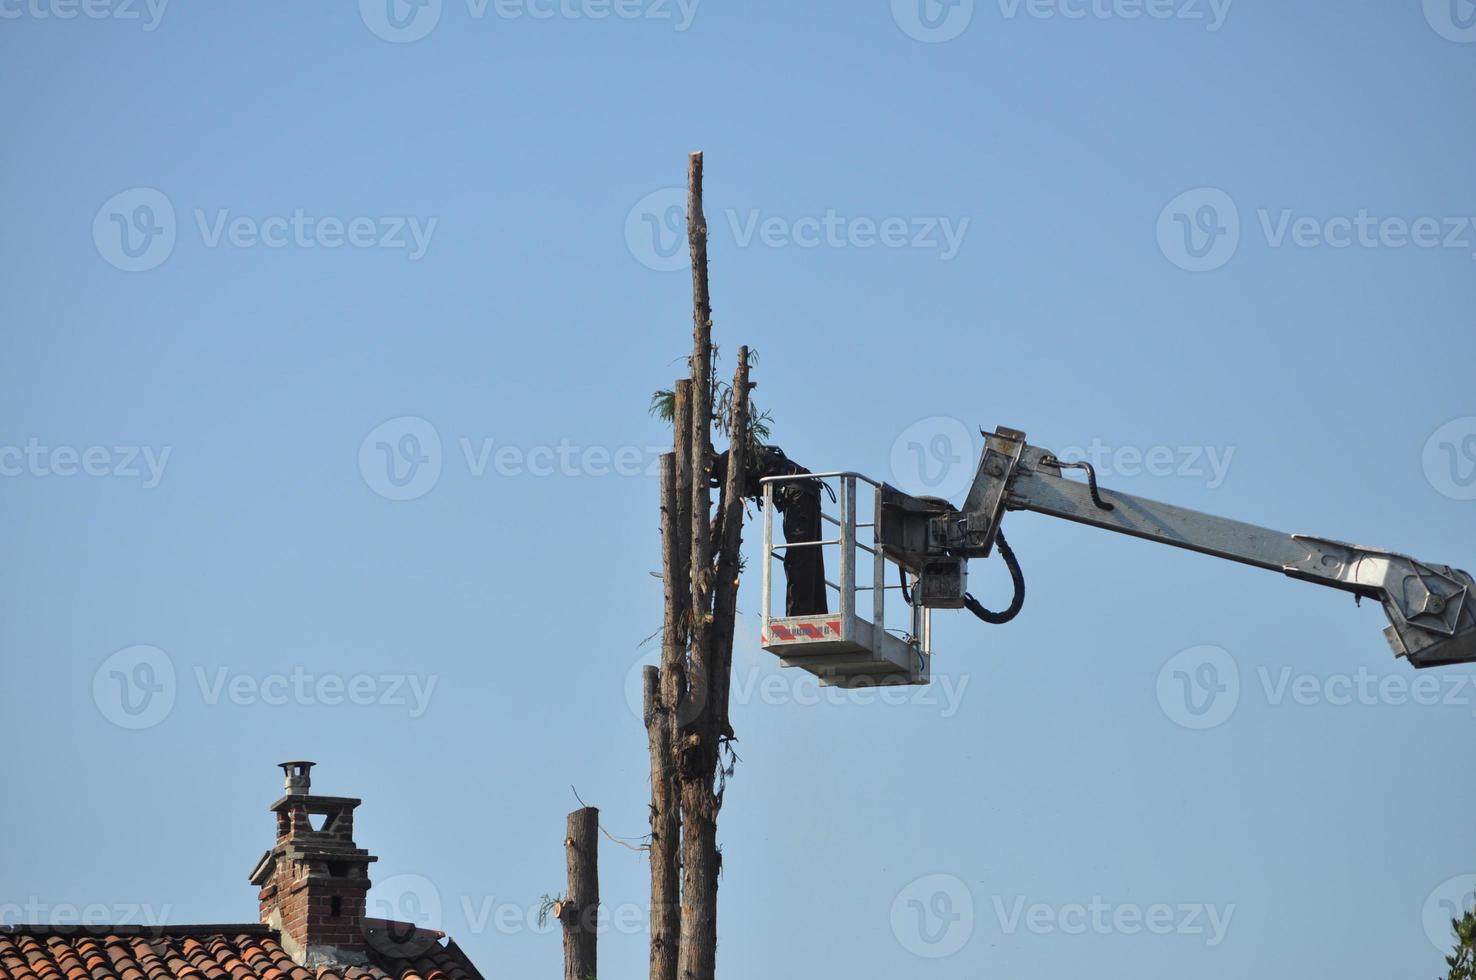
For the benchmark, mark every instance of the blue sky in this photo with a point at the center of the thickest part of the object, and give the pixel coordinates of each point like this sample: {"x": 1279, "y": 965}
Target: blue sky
{"x": 1226, "y": 249}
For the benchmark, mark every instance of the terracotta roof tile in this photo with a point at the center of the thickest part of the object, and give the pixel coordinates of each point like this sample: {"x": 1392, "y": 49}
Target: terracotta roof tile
{"x": 237, "y": 952}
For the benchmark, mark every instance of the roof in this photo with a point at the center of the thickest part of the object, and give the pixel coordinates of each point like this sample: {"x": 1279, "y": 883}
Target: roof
{"x": 213, "y": 952}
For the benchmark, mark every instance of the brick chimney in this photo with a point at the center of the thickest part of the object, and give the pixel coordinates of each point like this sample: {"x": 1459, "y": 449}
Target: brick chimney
{"x": 314, "y": 881}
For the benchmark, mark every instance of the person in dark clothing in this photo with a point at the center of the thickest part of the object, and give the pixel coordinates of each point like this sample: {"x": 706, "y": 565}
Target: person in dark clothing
{"x": 799, "y": 502}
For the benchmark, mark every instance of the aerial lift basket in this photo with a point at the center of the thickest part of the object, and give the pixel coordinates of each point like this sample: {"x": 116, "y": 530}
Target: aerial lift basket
{"x": 842, "y": 648}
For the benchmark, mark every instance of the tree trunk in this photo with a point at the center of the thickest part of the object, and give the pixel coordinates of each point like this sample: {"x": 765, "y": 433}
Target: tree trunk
{"x": 701, "y": 865}
{"x": 659, "y": 714}
{"x": 666, "y": 833}
{"x": 579, "y": 911}
{"x": 700, "y": 445}
{"x": 697, "y": 754}
{"x": 678, "y": 552}
{"x": 730, "y": 540}
{"x": 701, "y": 798}
{"x": 665, "y": 692}
{"x": 704, "y": 720}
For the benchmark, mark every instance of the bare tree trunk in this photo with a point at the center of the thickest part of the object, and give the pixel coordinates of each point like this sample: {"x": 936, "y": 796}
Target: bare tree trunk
{"x": 702, "y": 794}
{"x": 660, "y": 701}
{"x": 701, "y": 864}
{"x": 579, "y": 911}
{"x": 730, "y": 540}
{"x": 700, "y": 445}
{"x": 666, "y": 833}
{"x": 665, "y": 692}
{"x": 678, "y": 552}
{"x": 698, "y": 755}
{"x": 704, "y": 723}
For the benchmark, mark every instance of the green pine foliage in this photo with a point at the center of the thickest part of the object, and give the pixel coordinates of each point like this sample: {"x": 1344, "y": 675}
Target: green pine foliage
{"x": 1462, "y": 962}
{"x": 760, "y": 424}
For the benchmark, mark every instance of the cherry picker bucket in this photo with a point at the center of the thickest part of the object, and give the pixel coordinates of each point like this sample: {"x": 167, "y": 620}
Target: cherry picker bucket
{"x": 843, "y": 648}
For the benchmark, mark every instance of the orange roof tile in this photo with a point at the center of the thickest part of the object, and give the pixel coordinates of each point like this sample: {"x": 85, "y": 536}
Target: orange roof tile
{"x": 233, "y": 952}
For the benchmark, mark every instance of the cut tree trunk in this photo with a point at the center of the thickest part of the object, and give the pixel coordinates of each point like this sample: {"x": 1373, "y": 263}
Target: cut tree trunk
{"x": 686, "y": 699}
{"x": 698, "y": 754}
{"x": 579, "y": 910}
{"x": 701, "y": 865}
{"x": 666, "y": 832}
{"x": 730, "y": 540}
{"x": 702, "y": 792}
{"x": 700, "y": 445}
{"x": 664, "y": 693}
{"x": 678, "y": 552}
{"x": 714, "y": 591}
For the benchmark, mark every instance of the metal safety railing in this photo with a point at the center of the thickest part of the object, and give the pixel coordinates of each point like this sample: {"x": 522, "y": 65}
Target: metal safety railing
{"x": 854, "y": 540}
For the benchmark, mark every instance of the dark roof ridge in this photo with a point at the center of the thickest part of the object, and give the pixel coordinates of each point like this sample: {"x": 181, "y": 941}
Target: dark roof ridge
{"x": 135, "y": 929}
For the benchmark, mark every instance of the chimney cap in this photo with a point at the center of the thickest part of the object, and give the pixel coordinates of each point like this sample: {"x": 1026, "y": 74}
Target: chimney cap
{"x": 298, "y": 775}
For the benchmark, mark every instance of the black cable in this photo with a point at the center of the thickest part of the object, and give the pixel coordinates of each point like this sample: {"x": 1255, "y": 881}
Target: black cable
{"x": 1016, "y": 576}
{"x": 906, "y": 592}
{"x": 1091, "y": 479}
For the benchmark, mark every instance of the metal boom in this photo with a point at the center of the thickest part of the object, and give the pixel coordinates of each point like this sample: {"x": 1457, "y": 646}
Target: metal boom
{"x": 1431, "y": 620}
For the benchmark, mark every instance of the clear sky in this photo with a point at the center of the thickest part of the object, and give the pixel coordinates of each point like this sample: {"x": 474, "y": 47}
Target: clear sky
{"x": 1226, "y": 248}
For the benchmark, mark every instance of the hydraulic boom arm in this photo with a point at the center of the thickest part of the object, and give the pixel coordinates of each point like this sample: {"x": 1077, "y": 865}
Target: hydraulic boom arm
{"x": 1431, "y": 618}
